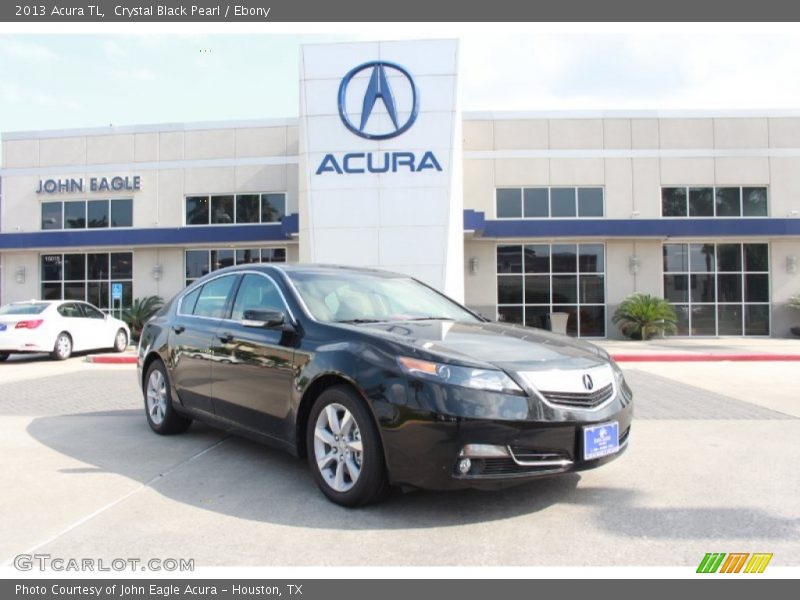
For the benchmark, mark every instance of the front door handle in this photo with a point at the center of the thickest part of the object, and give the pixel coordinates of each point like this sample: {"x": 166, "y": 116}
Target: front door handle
{"x": 178, "y": 328}
{"x": 225, "y": 338}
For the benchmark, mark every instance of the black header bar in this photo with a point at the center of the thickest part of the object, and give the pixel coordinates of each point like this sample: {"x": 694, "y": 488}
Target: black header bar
{"x": 242, "y": 11}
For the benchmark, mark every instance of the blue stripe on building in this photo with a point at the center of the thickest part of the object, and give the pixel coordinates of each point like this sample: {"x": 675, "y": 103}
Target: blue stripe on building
{"x": 628, "y": 228}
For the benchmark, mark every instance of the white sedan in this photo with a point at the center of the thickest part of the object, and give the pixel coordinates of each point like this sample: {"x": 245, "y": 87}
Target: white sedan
{"x": 59, "y": 327}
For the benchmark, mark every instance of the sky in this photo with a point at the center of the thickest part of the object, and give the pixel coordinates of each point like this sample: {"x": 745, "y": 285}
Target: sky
{"x": 85, "y": 80}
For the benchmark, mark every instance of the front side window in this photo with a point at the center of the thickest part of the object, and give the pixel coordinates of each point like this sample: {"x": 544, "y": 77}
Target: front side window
{"x": 256, "y": 292}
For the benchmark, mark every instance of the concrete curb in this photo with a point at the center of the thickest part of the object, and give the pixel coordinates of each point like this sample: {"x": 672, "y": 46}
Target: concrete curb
{"x": 111, "y": 359}
{"x": 711, "y": 357}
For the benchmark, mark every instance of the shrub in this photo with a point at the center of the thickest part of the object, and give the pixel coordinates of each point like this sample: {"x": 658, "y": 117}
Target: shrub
{"x": 140, "y": 312}
{"x": 794, "y": 302}
{"x": 641, "y": 316}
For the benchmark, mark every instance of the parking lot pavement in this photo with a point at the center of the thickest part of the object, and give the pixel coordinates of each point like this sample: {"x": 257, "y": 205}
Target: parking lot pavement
{"x": 707, "y": 470}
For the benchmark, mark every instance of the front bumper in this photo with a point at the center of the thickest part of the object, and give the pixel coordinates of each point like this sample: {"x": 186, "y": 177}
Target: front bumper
{"x": 423, "y": 450}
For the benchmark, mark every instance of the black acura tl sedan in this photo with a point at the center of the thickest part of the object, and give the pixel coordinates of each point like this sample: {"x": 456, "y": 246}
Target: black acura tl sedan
{"x": 379, "y": 380}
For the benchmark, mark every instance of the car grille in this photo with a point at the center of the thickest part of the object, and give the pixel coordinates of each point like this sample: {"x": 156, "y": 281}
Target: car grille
{"x": 579, "y": 400}
{"x": 488, "y": 467}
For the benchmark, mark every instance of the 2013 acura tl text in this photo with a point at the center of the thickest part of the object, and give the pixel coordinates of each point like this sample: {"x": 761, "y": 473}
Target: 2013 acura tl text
{"x": 379, "y": 380}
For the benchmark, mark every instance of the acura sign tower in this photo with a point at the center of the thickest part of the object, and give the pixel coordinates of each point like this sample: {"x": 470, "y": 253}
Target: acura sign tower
{"x": 380, "y": 146}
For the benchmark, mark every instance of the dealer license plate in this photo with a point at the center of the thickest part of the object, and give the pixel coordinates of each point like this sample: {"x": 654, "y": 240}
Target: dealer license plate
{"x": 600, "y": 440}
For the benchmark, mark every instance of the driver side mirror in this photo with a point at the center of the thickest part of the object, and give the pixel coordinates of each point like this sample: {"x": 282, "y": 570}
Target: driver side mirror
{"x": 264, "y": 319}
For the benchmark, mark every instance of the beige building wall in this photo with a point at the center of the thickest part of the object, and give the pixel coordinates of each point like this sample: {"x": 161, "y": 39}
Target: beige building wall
{"x": 632, "y": 158}
{"x": 172, "y": 161}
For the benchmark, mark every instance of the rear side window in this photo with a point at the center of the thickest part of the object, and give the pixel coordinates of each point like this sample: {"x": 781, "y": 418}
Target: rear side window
{"x": 70, "y": 311}
{"x": 188, "y": 302}
{"x": 256, "y": 293}
{"x": 23, "y": 309}
{"x": 213, "y": 298}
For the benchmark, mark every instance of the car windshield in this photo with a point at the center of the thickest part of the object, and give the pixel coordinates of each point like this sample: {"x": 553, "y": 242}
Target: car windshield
{"x": 347, "y": 297}
{"x": 23, "y": 309}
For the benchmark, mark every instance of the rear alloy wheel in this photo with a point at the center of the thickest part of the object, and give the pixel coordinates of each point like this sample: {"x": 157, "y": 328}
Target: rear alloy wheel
{"x": 4, "y": 356}
{"x": 344, "y": 449}
{"x": 161, "y": 416}
{"x": 63, "y": 347}
{"x": 120, "y": 341}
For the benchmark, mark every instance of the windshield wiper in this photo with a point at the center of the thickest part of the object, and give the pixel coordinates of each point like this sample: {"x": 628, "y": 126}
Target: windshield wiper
{"x": 358, "y": 321}
{"x": 431, "y": 319}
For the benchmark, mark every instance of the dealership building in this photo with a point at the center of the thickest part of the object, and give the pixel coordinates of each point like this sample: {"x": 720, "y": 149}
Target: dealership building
{"x": 519, "y": 215}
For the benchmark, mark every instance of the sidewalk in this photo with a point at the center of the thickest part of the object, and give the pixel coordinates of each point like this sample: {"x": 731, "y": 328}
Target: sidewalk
{"x": 707, "y": 349}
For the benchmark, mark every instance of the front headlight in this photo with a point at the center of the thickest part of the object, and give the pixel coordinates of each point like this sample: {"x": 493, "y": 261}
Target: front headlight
{"x": 491, "y": 380}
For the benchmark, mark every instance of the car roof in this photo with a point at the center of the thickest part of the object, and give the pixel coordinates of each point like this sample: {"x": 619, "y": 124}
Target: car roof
{"x": 312, "y": 268}
{"x": 48, "y": 302}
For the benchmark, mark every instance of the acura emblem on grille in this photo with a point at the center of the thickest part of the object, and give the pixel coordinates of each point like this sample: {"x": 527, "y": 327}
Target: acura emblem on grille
{"x": 587, "y": 381}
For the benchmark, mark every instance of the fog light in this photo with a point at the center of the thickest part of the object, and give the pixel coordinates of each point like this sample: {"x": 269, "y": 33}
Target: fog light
{"x": 484, "y": 451}
{"x": 464, "y": 466}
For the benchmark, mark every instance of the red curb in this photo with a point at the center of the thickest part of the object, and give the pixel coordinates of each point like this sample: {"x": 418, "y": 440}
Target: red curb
{"x": 111, "y": 360}
{"x": 705, "y": 357}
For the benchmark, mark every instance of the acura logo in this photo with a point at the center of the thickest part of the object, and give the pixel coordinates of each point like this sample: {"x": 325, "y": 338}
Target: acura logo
{"x": 370, "y": 123}
{"x": 587, "y": 382}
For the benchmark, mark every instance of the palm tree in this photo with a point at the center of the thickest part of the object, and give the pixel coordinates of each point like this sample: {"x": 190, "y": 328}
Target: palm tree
{"x": 641, "y": 316}
{"x": 140, "y": 312}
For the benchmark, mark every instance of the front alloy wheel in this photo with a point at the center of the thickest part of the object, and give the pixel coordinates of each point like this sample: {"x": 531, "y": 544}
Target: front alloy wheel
{"x": 344, "y": 448}
{"x": 338, "y": 447}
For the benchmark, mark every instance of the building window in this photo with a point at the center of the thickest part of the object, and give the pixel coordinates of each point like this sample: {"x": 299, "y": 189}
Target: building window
{"x": 227, "y": 209}
{"x": 714, "y": 202}
{"x": 718, "y": 289}
{"x": 203, "y": 262}
{"x": 91, "y": 214}
{"x": 534, "y": 280}
{"x": 87, "y": 277}
{"x": 549, "y": 202}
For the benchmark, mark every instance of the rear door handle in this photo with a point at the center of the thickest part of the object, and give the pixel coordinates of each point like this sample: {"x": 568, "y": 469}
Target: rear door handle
{"x": 225, "y": 338}
{"x": 178, "y": 328}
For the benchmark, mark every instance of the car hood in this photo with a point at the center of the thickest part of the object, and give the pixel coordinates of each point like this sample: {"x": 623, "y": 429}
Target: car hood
{"x": 509, "y": 347}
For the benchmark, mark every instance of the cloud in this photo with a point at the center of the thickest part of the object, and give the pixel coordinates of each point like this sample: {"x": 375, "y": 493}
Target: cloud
{"x": 29, "y": 51}
{"x": 628, "y": 71}
{"x": 113, "y": 50}
{"x": 133, "y": 74}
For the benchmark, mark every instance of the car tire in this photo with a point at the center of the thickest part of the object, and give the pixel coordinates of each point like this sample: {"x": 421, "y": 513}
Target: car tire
{"x": 345, "y": 475}
{"x": 120, "y": 341}
{"x": 4, "y": 356}
{"x": 161, "y": 415}
{"x": 62, "y": 349}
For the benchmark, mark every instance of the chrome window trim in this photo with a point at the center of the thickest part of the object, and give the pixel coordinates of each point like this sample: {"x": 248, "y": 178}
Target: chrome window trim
{"x": 232, "y": 274}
